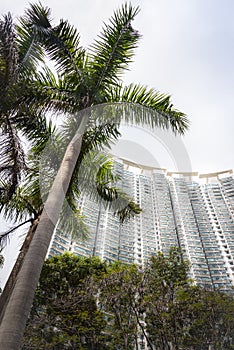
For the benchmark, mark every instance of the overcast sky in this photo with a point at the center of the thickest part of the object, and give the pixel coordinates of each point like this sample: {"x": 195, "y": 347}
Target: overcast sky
{"x": 186, "y": 50}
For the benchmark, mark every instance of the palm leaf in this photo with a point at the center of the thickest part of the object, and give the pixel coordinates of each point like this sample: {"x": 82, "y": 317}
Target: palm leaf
{"x": 5, "y": 235}
{"x": 97, "y": 180}
{"x": 113, "y": 51}
{"x": 71, "y": 222}
{"x": 61, "y": 42}
{"x": 22, "y": 205}
{"x": 165, "y": 115}
{"x": 30, "y": 51}
{"x": 59, "y": 94}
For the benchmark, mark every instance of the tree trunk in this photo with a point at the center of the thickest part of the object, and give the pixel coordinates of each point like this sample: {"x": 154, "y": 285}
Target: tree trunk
{"x": 18, "y": 307}
{"x": 5, "y": 296}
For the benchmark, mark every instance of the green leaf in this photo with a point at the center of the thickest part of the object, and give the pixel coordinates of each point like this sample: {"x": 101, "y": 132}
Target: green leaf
{"x": 113, "y": 51}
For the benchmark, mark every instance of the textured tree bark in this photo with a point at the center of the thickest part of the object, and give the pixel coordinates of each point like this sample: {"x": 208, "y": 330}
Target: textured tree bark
{"x": 20, "y": 301}
{"x": 5, "y": 296}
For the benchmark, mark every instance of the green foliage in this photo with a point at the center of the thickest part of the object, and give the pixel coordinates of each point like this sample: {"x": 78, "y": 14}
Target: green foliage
{"x": 84, "y": 303}
{"x": 211, "y": 319}
{"x": 140, "y": 95}
{"x": 65, "y": 313}
{"x": 166, "y": 276}
{"x": 117, "y": 297}
{"x": 112, "y": 53}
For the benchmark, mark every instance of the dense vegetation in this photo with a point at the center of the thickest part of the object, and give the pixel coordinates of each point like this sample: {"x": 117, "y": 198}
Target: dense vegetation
{"x": 83, "y": 303}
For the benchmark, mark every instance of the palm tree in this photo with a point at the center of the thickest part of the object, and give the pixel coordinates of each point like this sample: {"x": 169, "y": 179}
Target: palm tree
{"x": 86, "y": 80}
{"x": 24, "y": 102}
{"x": 18, "y": 116}
{"x": 15, "y": 64}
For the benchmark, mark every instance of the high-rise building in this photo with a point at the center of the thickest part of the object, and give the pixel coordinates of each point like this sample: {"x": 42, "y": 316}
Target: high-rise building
{"x": 194, "y": 212}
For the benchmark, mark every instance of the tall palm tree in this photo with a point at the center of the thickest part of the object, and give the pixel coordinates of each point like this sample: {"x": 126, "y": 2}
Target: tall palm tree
{"x": 85, "y": 79}
{"x": 18, "y": 116}
{"x": 24, "y": 101}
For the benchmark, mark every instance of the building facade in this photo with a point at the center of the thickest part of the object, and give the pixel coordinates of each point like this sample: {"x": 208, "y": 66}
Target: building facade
{"x": 194, "y": 212}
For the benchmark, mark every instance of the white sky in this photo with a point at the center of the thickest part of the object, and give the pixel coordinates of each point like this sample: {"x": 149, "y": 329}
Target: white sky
{"x": 187, "y": 50}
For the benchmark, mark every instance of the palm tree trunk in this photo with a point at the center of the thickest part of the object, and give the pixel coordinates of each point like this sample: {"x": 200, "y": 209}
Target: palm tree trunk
{"x": 97, "y": 230}
{"x": 5, "y": 296}
{"x": 20, "y": 301}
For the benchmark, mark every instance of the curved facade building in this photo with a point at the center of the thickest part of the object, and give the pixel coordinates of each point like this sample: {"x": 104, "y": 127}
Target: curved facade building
{"x": 190, "y": 210}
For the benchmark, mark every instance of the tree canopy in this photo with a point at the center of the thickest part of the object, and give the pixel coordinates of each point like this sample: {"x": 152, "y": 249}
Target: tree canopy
{"x": 84, "y": 303}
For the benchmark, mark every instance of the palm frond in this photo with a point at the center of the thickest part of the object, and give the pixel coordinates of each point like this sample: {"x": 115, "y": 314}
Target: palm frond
{"x": 163, "y": 113}
{"x": 117, "y": 201}
{"x": 95, "y": 136}
{"x": 33, "y": 123}
{"x": 96, "y": 168}
{"x": 27, "y": 201}
{"x": 5, "y": 235}
{"x": 94, "y": 173}
{"x": 72, "y": 222}
{"x": 63, "y": 47}
{"x": 100, "y": 136}
{"x": 40, "y": 140}
{"x": 61, "y": 42}
{"x": 21, "y": 206}
{"x": 97, "y": 179}
{"x": 113, "y": 51}
{"x": 30, "y": 50}
{"x": 88, "y": 164}
{"x": 129, "y": 210}
{"x": 58, "y": 94}
{"x": 31, "y": 191}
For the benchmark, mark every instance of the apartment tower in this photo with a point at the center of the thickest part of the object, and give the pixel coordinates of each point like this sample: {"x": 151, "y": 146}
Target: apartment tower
{"x": 190, "y": 210}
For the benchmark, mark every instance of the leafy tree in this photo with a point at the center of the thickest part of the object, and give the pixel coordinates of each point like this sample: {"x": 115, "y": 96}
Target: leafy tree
{"x": 117, "y": 299}
{"x": 165, "y": 277}
{"x": 84, "y": 79}
{"x": 65, "y": 312}
{"x": 180, "y": 315}
{"x": 83, "y": 303}
{"x": 210, "y": 320}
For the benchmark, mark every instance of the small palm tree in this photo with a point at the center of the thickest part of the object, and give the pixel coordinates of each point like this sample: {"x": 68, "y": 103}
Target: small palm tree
{"x": 84, "y": 79}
